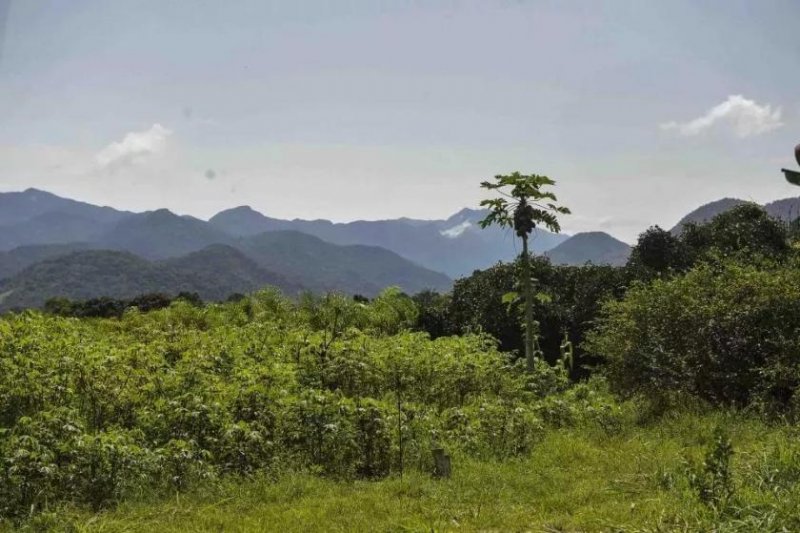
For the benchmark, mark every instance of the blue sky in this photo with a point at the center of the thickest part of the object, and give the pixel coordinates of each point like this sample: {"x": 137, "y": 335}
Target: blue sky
{"x": 639, "y": 110}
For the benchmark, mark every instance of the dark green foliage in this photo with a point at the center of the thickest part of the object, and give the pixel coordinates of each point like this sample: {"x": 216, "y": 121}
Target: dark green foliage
{"x": 157, "y": 300}
{"x": 657, "y": 253}
{"x": 114, "y": 308}
{"x": 744, "y": 232}
{"x": 477, "y": 305}
{"x": 726, "y": 333}
{"x": 434, "y": 313}
{"x": 574, "y": 296}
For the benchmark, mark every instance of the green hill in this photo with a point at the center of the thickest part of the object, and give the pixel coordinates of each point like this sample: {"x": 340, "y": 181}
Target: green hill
{"x": 594, "y": 247}
{"x": 16, "y": 260}
{"x": 161, "y": 234}
{"x": 321, "y": 266}
{"x": 213, "y": 273}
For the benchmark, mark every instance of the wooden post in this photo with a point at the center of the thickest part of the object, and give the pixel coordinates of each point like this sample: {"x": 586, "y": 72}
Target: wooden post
{"x": 441, "y": 463}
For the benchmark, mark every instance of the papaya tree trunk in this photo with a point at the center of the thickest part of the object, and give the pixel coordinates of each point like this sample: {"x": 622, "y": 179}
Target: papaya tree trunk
{"x": 527, "y": 294}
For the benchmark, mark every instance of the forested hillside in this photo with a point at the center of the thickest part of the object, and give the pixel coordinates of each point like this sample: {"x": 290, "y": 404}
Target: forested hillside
{"x": 321, "y": 266}
{"x": 94, "y": 274}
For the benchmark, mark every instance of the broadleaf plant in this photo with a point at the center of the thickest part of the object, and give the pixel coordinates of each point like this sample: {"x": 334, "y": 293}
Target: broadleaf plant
{"x": 524, "y": 205}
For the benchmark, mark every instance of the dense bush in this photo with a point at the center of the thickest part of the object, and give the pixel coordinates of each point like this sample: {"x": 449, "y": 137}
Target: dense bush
{"x": 745, "y": 232}
{"x": 105, "y": 307}
{"x": 94, "y": 410}
{"x": 727, "y": 333}
{"x": 657, "y": 253}
{"x": 571, "y": 297}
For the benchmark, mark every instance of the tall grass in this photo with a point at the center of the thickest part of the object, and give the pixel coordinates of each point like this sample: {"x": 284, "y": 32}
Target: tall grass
{"x": 578, "y": 479}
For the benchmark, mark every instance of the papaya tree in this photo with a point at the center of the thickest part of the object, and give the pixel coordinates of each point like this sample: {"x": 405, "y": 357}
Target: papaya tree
{"x": 523, "y": 205}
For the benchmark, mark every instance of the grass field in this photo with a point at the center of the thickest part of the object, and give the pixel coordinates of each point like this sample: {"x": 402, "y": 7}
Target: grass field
{"x": 576, "y": 480}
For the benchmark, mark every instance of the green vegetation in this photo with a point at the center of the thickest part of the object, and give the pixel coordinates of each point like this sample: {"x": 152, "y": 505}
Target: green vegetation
{"x": 673, "y": 474}
{"x": 664, "y": 396}
{"x": 725, "y": 333}
{"x": 94, "y": 411}
{"x": 214, "y": 273}
{"x": 523, "y": 206}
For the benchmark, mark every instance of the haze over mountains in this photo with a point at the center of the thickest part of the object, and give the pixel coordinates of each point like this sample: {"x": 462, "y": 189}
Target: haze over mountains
{"x": 52, "y": 246}
{"x": 786, "y": 209}
{"x": 590, "y": 247}
{"x": 455, "y": 246}
{"x": 121, "y": 254}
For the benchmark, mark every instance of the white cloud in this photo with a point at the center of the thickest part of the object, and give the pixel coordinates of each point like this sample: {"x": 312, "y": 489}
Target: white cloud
{"x": 456, "y": 231}
{"x": 133, "y": 146}
{"x": 745, "y": 117}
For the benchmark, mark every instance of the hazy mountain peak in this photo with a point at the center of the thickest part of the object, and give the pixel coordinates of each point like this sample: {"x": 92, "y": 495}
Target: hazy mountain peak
{"x": 162, "y": 233}
{"x": 786, "y": 209}
{"x": 241, "y": 209}
{"x": 161, "y": 213}
{"x": 596, "y": 247}
{"x": 467, "y": 214}
{"x": 706, "y": 212}
{"x": 31, "y": 191}
{"x": 23, "y": 208}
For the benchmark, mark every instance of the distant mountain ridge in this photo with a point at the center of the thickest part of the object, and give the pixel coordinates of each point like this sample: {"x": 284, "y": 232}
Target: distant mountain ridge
{"x": 594, "y": 247}
{"x": 161, "y": 234}
{"x": 241, "y": 249}
{"x": 706, "y": 212}
{"x": 18, "y": 259}
{"x": 321, "y": 266}
{"x": 455, "y": 246}
{"x": 786, "y": 209}
{"x": 122, "y": 254}
{"x": 18, "y": 207}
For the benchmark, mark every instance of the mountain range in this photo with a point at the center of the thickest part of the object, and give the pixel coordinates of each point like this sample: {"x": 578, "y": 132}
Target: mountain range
{"x": 787, "y": 210}
{"x": 54, "y": 246}
{"x": 454, "y": 246}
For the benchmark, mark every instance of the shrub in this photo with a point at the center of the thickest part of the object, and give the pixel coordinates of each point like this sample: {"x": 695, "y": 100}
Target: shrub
{"x": 92, "y": 410}
{"x": 728, "y": 333}
{"x": 712, "y": 481}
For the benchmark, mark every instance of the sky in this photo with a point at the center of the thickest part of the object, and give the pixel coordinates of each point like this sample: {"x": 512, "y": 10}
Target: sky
{"x": 345, "y": 110}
